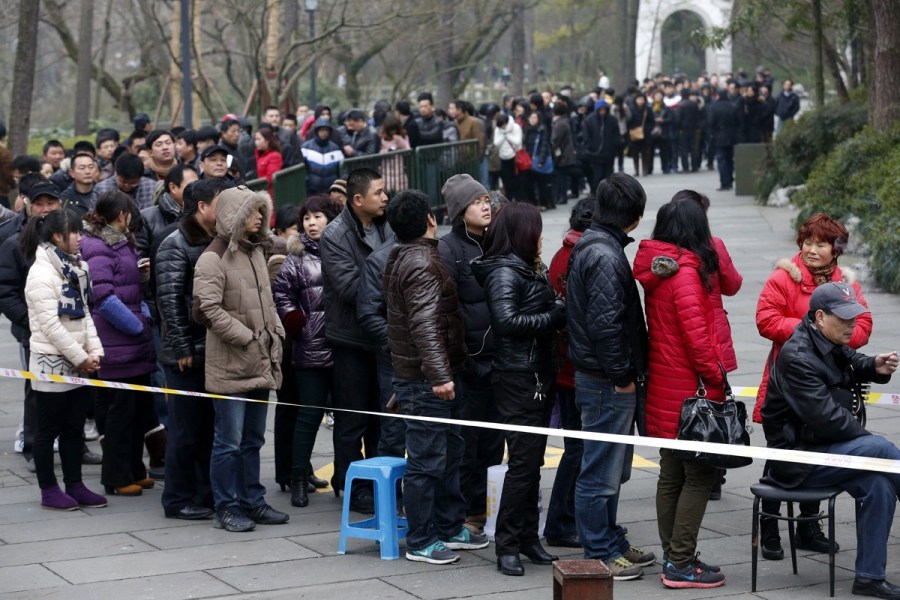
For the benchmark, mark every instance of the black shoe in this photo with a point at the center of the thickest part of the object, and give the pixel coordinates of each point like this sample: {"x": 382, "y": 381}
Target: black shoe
{"x": 879, "y": 588}
{"x": 770, "y": 541}
{"x": 232, "y": 519}
{"x": 569, "y": 541}
{"x": 363, "y": 502}
{"x": 811, "y": 537}
{"x": 317, "y": 482}
{"x": 716, "y": 493}
{"x": 723, "y": 189}
{"x": 191, "y": 512}
{"x": 510, "y": 564}
{"x": 299, "y": 492}
{"x": 266, "y": 515}
{"x": 536, "y": 554}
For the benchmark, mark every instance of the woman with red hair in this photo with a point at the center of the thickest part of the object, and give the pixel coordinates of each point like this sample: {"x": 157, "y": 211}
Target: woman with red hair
{"x": 782, "y": 304}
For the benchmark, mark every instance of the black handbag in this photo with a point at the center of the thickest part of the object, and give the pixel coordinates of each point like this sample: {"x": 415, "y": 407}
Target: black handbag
{"x": 704, "y": 420}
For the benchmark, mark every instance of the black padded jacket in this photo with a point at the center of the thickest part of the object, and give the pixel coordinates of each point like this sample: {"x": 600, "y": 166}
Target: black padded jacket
{"x": 607, "y": 331}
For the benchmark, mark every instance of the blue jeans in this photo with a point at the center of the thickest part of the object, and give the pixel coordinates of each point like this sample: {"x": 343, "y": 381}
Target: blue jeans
{"x": 604, "y": 466}
{"x": 725, "y": 161}
{"x": 561, "y": 511}
{"x": 435, "y": 508}
{"x": 878, "y": 492}
{"x": 393, "y": 431}
{"x": 239, "y": 433}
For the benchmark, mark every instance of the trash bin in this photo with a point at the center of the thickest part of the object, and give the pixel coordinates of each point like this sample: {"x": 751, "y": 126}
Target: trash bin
{"x": 749, "y": 160}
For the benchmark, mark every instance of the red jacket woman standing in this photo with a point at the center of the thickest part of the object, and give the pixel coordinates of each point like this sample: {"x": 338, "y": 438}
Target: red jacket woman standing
{"x": 268, "y": 157}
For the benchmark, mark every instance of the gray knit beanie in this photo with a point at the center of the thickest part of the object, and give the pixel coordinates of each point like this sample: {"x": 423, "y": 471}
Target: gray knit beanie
{"x": 459, "y": 191}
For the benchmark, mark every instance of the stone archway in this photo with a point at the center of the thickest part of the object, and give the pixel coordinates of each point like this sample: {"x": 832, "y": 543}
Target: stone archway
{"x": 652, "y": 16}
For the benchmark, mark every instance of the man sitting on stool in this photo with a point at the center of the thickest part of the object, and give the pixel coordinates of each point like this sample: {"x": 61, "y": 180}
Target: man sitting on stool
{"x": 813, "y": 403}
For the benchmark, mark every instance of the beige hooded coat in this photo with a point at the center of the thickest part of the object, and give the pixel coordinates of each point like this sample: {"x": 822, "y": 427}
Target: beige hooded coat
{"x": 233, "y": 299}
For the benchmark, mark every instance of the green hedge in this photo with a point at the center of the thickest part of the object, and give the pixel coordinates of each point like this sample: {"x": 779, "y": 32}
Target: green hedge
{"x": 802, "y": 144}
{"x": 861, "y": 177}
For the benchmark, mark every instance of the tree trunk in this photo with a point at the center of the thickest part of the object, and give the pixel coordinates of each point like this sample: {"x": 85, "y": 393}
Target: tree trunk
{"x": 834, "y": 67}
{"x": 818, "y": 46}
{"x": 534, "y": 79}
{"x": 103, "y": 48}
{"x": 83, "y": 84}
{"x": 353, "y": 91}
{"x": 884, "y": 104}
{"x": 517, "y": 60}
{"x": 447, "y": 73}
{"x": 23, "y": 76}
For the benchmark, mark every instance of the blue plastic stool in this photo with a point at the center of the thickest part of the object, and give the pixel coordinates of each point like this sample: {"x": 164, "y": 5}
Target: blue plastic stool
{"x": 385, "y": 526}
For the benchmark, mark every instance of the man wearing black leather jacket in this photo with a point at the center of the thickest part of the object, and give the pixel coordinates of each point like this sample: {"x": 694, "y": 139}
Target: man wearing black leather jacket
{"x": 813, "y": 403}
{"x": 427, "y": 340}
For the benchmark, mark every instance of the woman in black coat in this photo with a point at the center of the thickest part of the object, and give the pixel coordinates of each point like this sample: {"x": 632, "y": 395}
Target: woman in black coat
{"x": 525, "y": 316}
{"x": 537, "y": 144}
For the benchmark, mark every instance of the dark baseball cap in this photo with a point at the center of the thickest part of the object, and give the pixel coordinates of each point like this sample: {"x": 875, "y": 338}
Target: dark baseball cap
{"x": 210, "y": 150}
{"x": 43, "y": 189}
{"x": 838, "y": 299}
{"x": 355, "y": 114}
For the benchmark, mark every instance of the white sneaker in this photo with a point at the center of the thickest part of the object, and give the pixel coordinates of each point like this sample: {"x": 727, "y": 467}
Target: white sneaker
{"x": 90, "y": 430}
{"x": 19, "y": 445}
{"x": 56, "y": 445}
{"x": 329, "y": 420}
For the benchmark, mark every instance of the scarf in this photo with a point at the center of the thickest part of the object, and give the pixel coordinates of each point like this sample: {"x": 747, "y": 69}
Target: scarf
{"x": 76, "y": 287}
{"x": 822, "y": 275}
{"x": 160, "y": 170}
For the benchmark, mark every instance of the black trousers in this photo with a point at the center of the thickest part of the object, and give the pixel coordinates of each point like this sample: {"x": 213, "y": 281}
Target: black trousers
{"x": 129, "y": 415}
{"x": 355, "y": 388}
{"x": 561, "y": 509}
{"x": 189, "y": 442}
{"x": 285, "y": 419}
{"x": 483, "y": 447}
{"x": 517, "y": 519}
{"x": 59, "y": 414}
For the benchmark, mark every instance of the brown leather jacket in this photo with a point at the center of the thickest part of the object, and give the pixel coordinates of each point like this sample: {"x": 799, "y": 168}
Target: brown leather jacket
{"x": 425, "y": 327}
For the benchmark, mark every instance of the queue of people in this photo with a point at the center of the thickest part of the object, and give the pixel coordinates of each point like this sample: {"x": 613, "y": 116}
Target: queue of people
{"x": 353, "y": 304}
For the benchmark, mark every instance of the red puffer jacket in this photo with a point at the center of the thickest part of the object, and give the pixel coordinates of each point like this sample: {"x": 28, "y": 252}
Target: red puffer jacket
{"x": 559, "y": 266}
{"x": 682, "y": 328}
{"x": 783, "y": 302}
{"x": 728, "y": 283}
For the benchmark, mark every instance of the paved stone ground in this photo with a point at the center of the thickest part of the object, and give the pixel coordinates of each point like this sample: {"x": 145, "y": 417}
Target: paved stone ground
{"x": 130, "y": 550}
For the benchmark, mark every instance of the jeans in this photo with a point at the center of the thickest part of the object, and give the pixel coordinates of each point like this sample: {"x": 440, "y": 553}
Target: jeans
{"x": 158, "y": 379}
{"x": 29, "y": 411}
{"x": 240, "y": 429}
{"x": 483, "y": 447}
{"x": 561, "y": 510}
{"x": 682, "y": 493}
{"x": 517, "y": 518}
{"x": 725, "y": 162}
{"x": 878, "y": 492}
{"x": 59, "y": 414}
{"x": 355, "y": 377}
{"x": 190, "y": 439}
{"x": 435, "y": 508}
{"x": 604, "y": 466}
{"x": 128, "y": 416}
{"x": 316, "y": 385}
{"x": 393, "y": 431}
{"x": 599, "y": 172}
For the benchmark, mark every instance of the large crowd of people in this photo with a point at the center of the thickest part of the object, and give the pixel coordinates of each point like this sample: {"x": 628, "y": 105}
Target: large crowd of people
{"x": 149, "y": 261}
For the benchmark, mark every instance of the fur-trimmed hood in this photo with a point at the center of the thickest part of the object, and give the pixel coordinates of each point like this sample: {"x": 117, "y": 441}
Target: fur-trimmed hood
{"x": 109, "y": 235}
{"x": 300, "y": 244}
{"x": 232, "y": 211}
{"x": 795, "y": 268}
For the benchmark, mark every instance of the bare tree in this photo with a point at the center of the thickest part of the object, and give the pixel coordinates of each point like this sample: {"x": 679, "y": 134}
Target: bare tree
{"x": 23, "y": 77}
{"x": 517, "y": 60}
{"x": 83, "y": 85}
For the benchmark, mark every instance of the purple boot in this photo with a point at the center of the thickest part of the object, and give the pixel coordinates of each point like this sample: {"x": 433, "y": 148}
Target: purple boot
{"x": 85, "y": 497}
{"x": 53, "y": 498}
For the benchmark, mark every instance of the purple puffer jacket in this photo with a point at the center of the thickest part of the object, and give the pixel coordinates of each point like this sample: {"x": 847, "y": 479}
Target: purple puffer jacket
{"x": 298, "y": 286}
{"x": 113, "y": 263}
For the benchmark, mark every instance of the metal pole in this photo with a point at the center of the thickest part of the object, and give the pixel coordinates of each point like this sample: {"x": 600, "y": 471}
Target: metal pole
{"x": 186, "y": 83}
{"x": 312, "y": 67}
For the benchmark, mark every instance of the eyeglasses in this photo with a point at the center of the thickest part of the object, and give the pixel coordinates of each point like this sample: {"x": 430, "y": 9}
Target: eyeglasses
{"x": 482, "y": 202}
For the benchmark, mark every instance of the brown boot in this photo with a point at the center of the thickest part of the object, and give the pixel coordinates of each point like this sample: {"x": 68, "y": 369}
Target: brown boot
{"x": 155, "y": 441}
